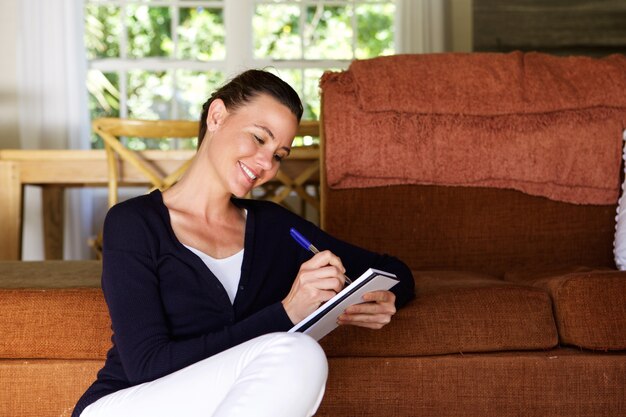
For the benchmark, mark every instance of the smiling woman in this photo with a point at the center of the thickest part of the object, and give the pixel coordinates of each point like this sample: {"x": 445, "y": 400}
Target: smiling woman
{"x": 220, "y": 281}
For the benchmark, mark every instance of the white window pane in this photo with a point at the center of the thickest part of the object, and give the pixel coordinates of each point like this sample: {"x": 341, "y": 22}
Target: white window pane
{"x": 149, "y": 94}
{"x": 104, "y": 95}
{"x": 375, "y": 26}
{"x": 328, "y": 32}
{"x": 103, "y": 99}
{"x": 311, "y": 93}
{"x": 103, "y": 27}
{"x": 276, "y": 32}
{"x": 149, "y": 31}
{"x": 193, "y": 90}
{"x": 201, "y": 34}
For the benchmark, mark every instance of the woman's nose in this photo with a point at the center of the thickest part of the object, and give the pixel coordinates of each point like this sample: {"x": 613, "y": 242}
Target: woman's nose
{"x": 265, "y": 159}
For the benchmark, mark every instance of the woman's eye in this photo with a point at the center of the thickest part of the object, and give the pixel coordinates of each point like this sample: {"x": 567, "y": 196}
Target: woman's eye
{"x": 259, "y": 140}
{"x": 278, "y": 158}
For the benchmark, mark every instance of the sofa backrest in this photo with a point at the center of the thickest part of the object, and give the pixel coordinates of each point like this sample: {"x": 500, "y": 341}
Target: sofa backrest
{"x": 482, "y": 162}
{"x": 477, "y": 229}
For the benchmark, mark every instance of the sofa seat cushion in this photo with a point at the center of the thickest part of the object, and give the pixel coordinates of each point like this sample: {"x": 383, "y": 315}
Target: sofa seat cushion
{"x": 53, "y": 310}
{"x": 589, "y": 305}
{"x": 456, "y": 312}
{"x": 44, "y": 388}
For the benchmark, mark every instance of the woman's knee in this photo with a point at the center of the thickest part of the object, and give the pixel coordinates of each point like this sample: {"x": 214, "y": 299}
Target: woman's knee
{"x": 309, "y": 347}
{"x": 305, "y": 354}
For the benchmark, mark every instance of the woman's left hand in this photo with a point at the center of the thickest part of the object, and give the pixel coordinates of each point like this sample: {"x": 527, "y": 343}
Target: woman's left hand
{"x": 373, "y": 313}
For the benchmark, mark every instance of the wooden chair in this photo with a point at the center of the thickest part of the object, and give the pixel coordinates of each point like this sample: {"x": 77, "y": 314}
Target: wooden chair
{"x": 112, "y": 129}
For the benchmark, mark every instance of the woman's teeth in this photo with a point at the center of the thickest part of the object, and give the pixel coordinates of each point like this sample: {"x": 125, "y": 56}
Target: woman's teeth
{"x": 247, "y": 171}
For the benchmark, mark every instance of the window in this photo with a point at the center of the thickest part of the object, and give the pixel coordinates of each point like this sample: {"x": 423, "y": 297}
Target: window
{"x": 153, "y": 60}
{"x": 160, "y": 59}
{"x": 302, "y": 39}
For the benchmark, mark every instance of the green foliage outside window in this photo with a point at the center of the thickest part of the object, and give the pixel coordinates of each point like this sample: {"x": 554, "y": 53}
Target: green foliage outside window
{"x": 278, "y": 29}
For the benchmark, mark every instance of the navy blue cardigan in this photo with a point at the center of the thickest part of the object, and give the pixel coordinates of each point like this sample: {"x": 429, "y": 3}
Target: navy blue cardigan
{"x": 169, "y": 311}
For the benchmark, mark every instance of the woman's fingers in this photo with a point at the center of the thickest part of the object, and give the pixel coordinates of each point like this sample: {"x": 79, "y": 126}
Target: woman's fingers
{"x": 371, "y": 321}
{"x": 375, "y": 302}
{"x": 374, "y": 313}
{"x": 328, "y": 278}
{"x": 382, "y": 296}
{"x": 318, "y": 280}
{"x": 321, "y": 289}
{"x": 324, "y": 258}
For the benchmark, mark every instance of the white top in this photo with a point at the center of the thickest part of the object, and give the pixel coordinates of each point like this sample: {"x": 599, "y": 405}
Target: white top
{"x": 227, "y": 270}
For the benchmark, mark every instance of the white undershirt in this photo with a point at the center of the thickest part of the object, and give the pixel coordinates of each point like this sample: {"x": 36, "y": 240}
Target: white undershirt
{"x": 227, "y": 270}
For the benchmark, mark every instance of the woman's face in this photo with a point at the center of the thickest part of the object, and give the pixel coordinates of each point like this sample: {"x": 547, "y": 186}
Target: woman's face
{"x": 246, "y": 145}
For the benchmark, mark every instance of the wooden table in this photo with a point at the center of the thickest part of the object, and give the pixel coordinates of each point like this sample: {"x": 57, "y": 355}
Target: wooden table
{"x": 55, "y": 170}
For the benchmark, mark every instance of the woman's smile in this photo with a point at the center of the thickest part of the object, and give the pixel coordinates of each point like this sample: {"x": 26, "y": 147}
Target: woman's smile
{"x": 251, "y": 175}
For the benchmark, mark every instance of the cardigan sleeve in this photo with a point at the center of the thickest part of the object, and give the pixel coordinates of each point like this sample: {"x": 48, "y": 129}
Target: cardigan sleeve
{"x": 142, "y": 335}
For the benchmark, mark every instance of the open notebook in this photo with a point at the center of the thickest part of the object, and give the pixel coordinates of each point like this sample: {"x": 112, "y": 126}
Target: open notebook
{"x": 324, "y": 320}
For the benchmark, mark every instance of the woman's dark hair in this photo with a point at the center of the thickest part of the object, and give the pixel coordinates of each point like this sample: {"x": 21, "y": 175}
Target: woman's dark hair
{"x": 247, "y": 85}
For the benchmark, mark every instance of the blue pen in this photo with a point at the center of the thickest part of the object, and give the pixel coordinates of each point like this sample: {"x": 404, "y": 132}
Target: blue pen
{"x": 304, "y": 242}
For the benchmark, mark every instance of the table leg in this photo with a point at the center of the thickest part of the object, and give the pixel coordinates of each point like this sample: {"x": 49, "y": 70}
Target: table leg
{"x": 53, "y": 210}
{"x": 11, "y": 199}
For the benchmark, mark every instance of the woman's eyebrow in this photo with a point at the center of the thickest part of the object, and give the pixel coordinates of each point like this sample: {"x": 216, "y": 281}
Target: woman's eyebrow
{"x": 269, "y": 132}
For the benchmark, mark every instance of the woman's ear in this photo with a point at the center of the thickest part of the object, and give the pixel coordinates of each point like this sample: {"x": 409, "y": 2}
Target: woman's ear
{"x": 216, "y": 115}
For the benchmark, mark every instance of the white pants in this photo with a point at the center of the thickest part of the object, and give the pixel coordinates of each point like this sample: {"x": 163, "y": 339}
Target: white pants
{"x": 279, "y": 374}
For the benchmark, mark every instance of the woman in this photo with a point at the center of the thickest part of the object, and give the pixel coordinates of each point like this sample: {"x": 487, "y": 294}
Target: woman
{"x": 202, "y": 286}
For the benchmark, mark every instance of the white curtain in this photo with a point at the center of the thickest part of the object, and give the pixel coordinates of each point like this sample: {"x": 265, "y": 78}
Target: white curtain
{"x": 53, "y": 109}
{"x": 421, "y": 26}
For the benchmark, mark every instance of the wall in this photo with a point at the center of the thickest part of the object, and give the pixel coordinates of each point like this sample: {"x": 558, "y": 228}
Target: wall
{"x": 459, "y": 25}
{"x": 563, "y": 27}
{"x": 9, "y": 126}
{"x": 32, "y": 244}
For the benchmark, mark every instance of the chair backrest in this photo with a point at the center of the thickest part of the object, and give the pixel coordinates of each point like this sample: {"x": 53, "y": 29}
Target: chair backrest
{"x": 112, "y": 129}
{"x": 301, "y": 170}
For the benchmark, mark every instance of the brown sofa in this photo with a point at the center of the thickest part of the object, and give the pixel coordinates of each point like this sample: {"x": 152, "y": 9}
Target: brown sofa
{"x": 519, "y": 308}
{"x": 470, "y": 344}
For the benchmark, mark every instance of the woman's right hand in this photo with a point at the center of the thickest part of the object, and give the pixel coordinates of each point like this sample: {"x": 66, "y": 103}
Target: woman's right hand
{"x": 318, "y": 280}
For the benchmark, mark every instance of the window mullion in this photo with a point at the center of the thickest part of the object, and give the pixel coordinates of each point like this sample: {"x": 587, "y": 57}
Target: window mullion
{"x": 160, "y": 3}
{"x": 175, "y": 13}
{"x": 303, "y": 14}
{"x": 123, "y": 73}
{"x": 174, "y": 113}
{"x": 355, "y": 33}
{"x": 238, "y": 26}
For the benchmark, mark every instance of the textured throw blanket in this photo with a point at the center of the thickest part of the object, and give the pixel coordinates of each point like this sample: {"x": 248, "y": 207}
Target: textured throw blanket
{"x": 545, "y": 125}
